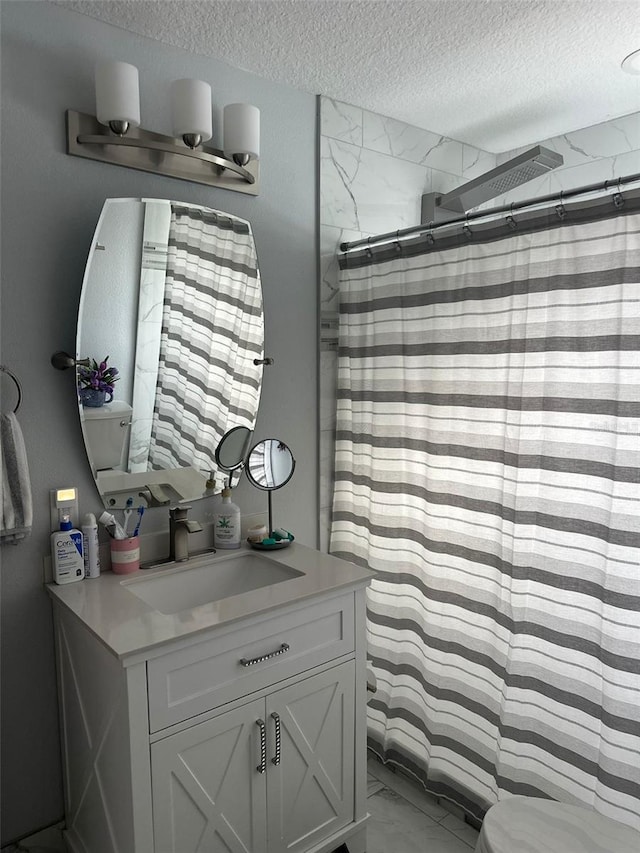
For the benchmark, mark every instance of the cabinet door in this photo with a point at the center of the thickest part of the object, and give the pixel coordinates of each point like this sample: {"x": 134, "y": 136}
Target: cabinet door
{"x": 310, "y": 790}
{"x": 208, "y": 796}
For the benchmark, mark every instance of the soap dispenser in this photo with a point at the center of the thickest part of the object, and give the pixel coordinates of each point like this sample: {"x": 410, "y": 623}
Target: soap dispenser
{"x": 210, "y": 485}
{"x": 226, "y": 525}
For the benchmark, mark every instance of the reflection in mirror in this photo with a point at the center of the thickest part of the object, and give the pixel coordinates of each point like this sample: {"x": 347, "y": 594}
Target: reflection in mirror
{"x": 172, "y": 295}
{"x": 270, "y": 464}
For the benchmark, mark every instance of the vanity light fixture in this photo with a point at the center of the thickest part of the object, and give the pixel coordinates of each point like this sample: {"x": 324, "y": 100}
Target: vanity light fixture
{"x": 114, "y": 135}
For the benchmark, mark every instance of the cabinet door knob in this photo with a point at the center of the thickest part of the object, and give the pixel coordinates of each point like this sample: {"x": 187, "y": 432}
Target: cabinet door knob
{"x": 262, "y": 767}
{"x": 276, "y": 719}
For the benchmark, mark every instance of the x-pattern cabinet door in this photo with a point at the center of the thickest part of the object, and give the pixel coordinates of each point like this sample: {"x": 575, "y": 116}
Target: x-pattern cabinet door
{"x": 216, "y": 789}
{"x": 207, "y": 792}
{"x": 310, "y": 789}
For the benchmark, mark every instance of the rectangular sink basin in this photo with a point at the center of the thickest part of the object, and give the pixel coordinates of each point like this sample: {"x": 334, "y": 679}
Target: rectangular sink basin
{"x": 183, "y": 588}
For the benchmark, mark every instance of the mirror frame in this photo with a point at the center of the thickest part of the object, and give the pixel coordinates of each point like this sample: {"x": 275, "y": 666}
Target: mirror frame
{"x": 252, "y": 479}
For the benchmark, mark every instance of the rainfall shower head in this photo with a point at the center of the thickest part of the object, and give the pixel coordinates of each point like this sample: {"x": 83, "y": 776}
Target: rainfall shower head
{"x": 526, "y": 166}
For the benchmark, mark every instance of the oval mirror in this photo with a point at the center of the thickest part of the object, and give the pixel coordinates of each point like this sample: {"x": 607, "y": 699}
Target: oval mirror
{"x": 270, "y": 464}
{"x": 172, "y": 296}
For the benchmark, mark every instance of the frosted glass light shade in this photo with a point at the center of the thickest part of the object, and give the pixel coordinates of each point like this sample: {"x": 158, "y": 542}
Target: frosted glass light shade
{"x": 191, "y": 108}
{"x": 242, "y": 130}
{"x": 117, "y": 93}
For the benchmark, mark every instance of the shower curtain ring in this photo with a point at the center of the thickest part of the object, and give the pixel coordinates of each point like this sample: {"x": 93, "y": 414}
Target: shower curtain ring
{"x": 398, "y": 247}
{"x": 429, "y": 235}
{"x": 618, "y": 198}
{"x": 511, "y": 222}
{"x": 561, "y": 210}
{"x": 466, "y": 227}
{"x": 368, "y": 248}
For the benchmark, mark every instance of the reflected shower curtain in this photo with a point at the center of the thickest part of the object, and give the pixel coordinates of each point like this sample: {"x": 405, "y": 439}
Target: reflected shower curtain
{"x": 211, "y": 333}
{"x": 487, "y": 455}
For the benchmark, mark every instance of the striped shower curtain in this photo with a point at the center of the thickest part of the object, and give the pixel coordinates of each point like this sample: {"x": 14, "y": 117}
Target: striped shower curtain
{"x": 211, "y": 333}
{"x": 487, "y": 467}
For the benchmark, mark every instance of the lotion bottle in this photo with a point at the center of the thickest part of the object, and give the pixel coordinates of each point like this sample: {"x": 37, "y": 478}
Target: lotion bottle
{"x": 66, "y": 553}
{"x": 90, "y": 546}
{"x": 226, "y": 524}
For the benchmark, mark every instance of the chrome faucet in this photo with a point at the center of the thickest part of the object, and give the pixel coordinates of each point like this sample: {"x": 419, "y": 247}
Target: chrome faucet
{"x": 179, "y": 529}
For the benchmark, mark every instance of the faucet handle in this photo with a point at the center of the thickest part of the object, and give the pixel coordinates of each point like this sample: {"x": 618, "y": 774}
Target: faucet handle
{"x": 179, "y": 513}
{"x": 154, "y": 495}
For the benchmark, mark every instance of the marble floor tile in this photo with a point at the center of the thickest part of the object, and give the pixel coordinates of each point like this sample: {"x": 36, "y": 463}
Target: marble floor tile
{"x": 397, "y": 825}
{"x": 373, "y": 785}
{"x": 461, "y": 829}
{"x": 412, "y": 791}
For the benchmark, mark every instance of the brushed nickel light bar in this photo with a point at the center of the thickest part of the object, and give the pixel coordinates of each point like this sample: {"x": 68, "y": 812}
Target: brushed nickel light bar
{"x": 114, "y": 135}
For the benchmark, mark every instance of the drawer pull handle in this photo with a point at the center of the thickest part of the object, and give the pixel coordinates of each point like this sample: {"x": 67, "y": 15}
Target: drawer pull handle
{"x": 251, "y": 661}
{"x": 262, "y": 767}
{"x": 276, "y": 719}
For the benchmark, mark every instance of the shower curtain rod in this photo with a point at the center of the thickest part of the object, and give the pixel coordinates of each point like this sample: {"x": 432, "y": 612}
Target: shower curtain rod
{"x": 424, "y": 228}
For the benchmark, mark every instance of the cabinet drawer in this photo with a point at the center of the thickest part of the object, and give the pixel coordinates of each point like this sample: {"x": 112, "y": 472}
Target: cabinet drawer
{"x": 256, "y": 655}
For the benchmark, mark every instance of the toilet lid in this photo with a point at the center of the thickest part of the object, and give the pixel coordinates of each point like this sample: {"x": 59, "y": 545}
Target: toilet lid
{"x": 531, "y": 825}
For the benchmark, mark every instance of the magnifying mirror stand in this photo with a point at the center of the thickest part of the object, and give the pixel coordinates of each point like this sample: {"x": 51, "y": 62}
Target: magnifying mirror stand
{"x": 270, "y": 511}
{"x": 269, "y": 465}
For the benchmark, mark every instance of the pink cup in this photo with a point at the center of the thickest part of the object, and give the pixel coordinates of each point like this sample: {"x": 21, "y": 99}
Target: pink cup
{"x": 125, "y": 555}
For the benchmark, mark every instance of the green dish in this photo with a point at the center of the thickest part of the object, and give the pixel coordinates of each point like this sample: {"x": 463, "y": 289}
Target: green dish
{"x": 271, "y": 544}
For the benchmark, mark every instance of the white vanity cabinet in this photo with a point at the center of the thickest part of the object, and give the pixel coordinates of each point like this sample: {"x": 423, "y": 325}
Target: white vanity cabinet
{"x": 249, "y": 737}
{"x": 273, "y": 775}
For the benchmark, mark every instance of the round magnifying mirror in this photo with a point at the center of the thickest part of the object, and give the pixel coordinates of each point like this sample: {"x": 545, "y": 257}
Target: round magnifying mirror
{"x": 270, "y": 464}
{"x": 232, "y": 450}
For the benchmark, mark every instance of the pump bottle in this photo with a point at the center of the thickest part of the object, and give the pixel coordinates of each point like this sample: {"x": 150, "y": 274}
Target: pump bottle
{"x": 226, "y": 525}
{"x": 66, "y": 553}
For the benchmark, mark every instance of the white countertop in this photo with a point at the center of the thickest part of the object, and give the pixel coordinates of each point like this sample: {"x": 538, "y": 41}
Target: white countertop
{"x": 128, "y": 626}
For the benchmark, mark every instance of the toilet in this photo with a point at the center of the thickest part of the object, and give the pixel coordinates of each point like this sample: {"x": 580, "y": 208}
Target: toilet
{"x": 106, "y": 430}
{"x": 532, "y": 825}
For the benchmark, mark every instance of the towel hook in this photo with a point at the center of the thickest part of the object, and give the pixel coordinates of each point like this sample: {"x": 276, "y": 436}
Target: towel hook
{"x": 16, "y": 383}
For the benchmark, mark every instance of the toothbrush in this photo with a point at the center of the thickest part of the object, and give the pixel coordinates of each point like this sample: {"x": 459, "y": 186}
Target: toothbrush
{"x": 140, "y": 514}
{"x": 127, "y": 515}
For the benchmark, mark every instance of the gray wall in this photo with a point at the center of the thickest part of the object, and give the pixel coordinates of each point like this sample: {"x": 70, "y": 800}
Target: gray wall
{"x": 50, "y": 206}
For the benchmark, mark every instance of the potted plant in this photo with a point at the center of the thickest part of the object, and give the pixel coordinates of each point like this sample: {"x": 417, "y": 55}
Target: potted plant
{"x": 95, "y": 383}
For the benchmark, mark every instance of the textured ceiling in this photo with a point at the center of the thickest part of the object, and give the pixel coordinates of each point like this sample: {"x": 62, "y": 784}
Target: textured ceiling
{"x": 494, "y": 73}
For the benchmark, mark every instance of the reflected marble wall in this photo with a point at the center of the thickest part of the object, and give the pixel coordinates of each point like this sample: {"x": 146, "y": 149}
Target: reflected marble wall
{"x": 373, "y": 172}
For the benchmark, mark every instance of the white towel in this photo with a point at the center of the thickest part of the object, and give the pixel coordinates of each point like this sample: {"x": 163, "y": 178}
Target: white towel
{"x": 17, "y": 509}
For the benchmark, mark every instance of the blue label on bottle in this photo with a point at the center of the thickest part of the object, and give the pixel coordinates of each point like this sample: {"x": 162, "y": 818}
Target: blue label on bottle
{"x": 77, "y": 541}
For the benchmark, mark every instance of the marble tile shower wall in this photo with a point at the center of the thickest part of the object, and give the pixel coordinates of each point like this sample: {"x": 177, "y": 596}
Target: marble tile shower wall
{"x": 373, "y": 172}
{"x": 601, "y": 152}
